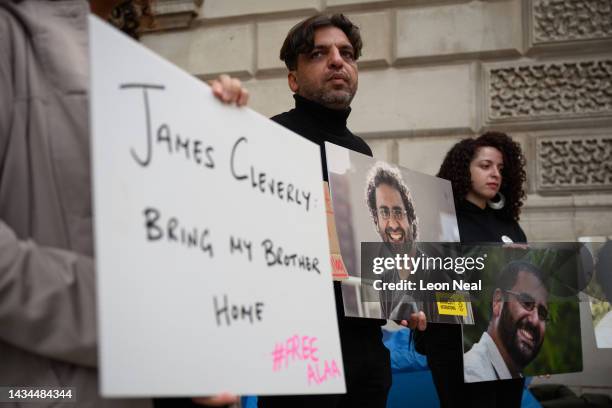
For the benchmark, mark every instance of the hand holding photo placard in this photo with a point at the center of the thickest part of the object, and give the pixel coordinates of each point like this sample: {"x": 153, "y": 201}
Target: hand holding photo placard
{"x": 383, "y": 211}
{"x": 211, "y": 238}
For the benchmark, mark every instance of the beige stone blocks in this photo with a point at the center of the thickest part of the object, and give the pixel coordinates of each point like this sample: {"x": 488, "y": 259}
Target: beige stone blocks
{"x": 425, "y": 154}
{"x": 335, "y": 3}
{"x": 270, "y": 96}
{"x": 171, "y": 14}
{"x": 218, "y": 49}
{"x": 232, "y": 8}
{"x": 383, "y": 149}
{"x": 208, "y": 51}
{"x": 270, "y": 37}
{"x": 560, "y": 218}
{"x": 548, "y": 225}
{"x": 375, "y": 30}
{"x": 398, "y": 102}
{"x": 476, "y": 28}
{"x": 594, "y": 222}
{"x": 435, "y": 71}
{"x": 173, "y": 46}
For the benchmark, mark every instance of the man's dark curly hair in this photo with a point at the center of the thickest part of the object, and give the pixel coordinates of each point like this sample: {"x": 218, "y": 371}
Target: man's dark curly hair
{"x": 509, "y": 274}
{"x": 382, "y": 173}
{"x": 300, "y": 39}
{"x": 456, "y": 169}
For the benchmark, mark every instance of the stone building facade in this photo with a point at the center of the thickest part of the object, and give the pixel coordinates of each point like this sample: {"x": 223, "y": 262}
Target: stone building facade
{"x": 433, "y": 72}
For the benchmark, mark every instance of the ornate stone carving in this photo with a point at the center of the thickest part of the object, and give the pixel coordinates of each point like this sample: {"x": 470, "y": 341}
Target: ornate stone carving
{"x": 571, "y": 20}
{"x": 172, "y": 14}
{"x": 552, "y": 90}
{"x": 574, "y": 163}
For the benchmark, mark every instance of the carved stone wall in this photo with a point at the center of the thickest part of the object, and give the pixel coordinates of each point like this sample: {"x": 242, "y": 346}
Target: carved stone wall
{"x": 574, "y": 163}
{"x": 571, "y": 20}
{"x": 172, "y": 14}
{"x": 565, "y": 90}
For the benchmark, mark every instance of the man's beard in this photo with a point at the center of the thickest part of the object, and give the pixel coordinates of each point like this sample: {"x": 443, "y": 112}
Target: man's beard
{"x": 522, "y": 354}
{"x": 404, "y": 246}
{"x": 336, "y": 99}
{"x": 330, "y": 98}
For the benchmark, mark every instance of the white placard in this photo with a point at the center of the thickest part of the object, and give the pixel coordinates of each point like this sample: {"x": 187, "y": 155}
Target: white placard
{"x": 211, "y": 242}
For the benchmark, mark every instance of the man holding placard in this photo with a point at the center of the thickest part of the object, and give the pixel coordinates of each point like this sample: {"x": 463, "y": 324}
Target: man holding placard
{"x": 321, "y": 55}
{"x": 48, "y": 340}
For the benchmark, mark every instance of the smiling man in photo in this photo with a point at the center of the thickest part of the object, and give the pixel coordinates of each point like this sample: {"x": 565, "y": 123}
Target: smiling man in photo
{"x": 391, "y": 207}
{"x": 516, "y": 329}
{"x": 392, "y": 210}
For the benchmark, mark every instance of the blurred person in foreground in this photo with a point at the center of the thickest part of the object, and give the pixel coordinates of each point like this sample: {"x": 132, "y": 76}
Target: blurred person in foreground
{"x": 47, "y": 277}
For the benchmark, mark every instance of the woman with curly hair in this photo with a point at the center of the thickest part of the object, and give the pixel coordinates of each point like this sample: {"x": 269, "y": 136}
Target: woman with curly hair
{"x": 487, "y": 174}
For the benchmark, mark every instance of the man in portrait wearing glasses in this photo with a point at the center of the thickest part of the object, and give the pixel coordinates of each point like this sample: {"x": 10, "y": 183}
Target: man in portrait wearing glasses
{"x": 395, "y": 220}
{"x": 516, "y": 329}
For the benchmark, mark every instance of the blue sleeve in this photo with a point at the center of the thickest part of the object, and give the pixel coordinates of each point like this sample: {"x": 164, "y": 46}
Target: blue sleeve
{"x": 528, "y": 400}
{"x": 404, "y": 358}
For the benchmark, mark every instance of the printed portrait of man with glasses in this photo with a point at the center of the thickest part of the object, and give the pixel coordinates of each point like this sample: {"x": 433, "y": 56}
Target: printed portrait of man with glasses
{"x": 392, "y": 210}
{"x": 391, "y": 206}
{"x": 516, "y": 329}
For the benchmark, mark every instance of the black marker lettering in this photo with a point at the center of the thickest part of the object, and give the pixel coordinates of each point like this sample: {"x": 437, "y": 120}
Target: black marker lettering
{"x": 271, "y": 185}
{"x": 270, "y": 258}
{"x": 233, "y": 157}
{"x": 306, "y": 195}
{"x": 172, "y": 224}
{"x": 182, "y": 144}
{"x": 262, "y": 182}
{"x": 153, "y": 231}
{"x": 149, "y": 150}
{"x": 197, "y": 151}
{"x": 259, "y": 309}
{"x": 253, "y": 183}
{"x": 236, "y": 312}
{"x": 279, "y": 257}
{"x": 315, "y": 265}
{"x": 173, "y": 231}
{"x": 164, "y": 135}
{"x": 297, "y": 197}
{"x": 220, "y": 311}
{"x": 204, "y": 246}
{"x": 289, "y": 191}
{"x": 210, "y": 163}
{"x": 192, "y": 238}
{"x": 281, "y": 188}
{"x": 236, "y": 244}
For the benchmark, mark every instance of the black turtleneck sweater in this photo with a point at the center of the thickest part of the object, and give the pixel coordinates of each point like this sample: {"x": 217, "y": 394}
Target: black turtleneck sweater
{"x": 485, "y": 225}
{"x": 319, "y": 125}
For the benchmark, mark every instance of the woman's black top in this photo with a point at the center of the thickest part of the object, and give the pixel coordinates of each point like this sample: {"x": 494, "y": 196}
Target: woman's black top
{"x": 478, "y": 225}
